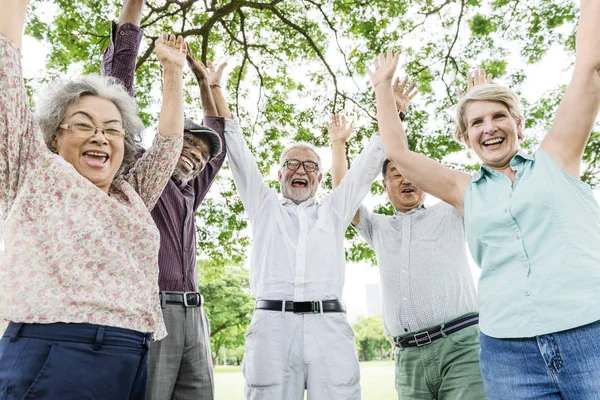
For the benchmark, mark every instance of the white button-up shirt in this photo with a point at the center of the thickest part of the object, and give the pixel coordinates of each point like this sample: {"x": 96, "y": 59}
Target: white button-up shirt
{"x": 425, "y": 275}
{"x": 298, "y": 250}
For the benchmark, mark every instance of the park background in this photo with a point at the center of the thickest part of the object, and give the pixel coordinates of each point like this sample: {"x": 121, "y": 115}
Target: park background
{"x": 292, "y": 63}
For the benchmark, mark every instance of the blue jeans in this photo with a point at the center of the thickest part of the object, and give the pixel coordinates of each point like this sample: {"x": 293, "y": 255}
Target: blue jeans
{"x": 561, "y": 365}
{"x": 73, "y": 361}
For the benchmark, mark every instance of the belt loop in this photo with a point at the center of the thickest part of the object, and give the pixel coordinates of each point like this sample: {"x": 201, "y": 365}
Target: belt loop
{"x": 163, "y": 299}
{"x": 442, "y": 330}
{"x": 15, "y": 334}
{"x": 146, "y": 342}
{"x": 283, "y": 306}
{"x": 321, "y": 306}
{"x": 99, "y": 338}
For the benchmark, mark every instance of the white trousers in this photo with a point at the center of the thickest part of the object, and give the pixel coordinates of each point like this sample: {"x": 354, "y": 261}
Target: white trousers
{"x": 287, "y": 353}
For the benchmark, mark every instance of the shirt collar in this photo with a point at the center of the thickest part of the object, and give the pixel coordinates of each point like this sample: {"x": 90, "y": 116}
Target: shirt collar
{"x": 519, "y": 158}
{"x": 306, "y": 203}
{"x": 418, "y": 208}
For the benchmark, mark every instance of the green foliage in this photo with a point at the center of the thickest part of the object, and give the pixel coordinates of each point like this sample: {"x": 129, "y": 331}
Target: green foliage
{"x": 228, "y": 306}
{"x": 294, "y": 62}
{"x": 481, "y": 25}
{"x": 371, "y": 342}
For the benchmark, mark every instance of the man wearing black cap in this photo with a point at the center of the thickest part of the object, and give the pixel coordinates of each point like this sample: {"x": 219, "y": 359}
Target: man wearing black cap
{"x": 180, "y": 365}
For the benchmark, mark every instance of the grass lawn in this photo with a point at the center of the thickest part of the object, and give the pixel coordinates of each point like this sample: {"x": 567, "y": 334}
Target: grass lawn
{"x": 377, "y": 381}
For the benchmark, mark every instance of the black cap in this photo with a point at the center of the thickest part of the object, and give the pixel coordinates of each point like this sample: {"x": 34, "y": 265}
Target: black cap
{"x": 200, "y": 130}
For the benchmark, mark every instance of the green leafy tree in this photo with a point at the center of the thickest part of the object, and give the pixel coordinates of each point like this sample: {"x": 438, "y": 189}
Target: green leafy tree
{"x": 371, "y": 342}
{"x": 228, "y": 306}
{"x": 297, "y": 61}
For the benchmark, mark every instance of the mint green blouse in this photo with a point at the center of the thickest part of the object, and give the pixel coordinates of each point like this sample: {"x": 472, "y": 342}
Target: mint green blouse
{"x": 537, "y": 242}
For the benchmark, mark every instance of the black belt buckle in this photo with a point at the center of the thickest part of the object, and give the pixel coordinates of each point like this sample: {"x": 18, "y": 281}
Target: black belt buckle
{"x": 306, "y": 307}
{"x": 423, "y": 336}
{"x": 196, "y": 301}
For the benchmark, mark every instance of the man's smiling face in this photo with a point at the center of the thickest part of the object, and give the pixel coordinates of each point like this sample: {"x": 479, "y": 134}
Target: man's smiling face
{"x": 299, "y": 185}
{"x": 402, "y": 194}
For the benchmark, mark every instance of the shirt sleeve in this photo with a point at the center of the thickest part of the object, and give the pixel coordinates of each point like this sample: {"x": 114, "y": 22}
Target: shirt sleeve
{"x": 248, "y": 180}
{"x": 119, "y": 58}
{"x": 365, "y": 225}
{"x": 151, "y": 172}
{"x": 205, "y": 179}
{"x": 346, "y": 198}
{"x": 21, "y": 143}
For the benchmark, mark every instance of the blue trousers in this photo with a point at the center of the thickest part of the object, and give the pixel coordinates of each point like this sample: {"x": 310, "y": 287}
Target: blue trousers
{"x": 73, "y": 361}
{"x": 561, "y": 365}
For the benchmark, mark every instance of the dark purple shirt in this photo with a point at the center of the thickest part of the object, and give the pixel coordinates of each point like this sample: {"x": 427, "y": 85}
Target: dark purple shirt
{"x": 175, "y": 210}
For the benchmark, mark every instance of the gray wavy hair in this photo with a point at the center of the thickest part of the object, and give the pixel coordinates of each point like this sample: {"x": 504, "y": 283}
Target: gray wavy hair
{"x": 54, "y": 101}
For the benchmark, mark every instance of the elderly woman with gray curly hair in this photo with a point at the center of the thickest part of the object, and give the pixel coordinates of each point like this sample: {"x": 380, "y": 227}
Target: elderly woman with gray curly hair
{"x": 78, "y": 273}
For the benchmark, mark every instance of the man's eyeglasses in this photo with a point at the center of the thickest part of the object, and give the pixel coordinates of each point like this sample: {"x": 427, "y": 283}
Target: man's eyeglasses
{"x": 86, "y": 129}
{"x": 309, "y": 166}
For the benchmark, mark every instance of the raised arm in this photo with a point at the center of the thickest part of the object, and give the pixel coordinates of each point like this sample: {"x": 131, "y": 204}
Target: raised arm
{"x": 12, "y": 20}
{"x": 339, "y": 131}
{"x": 152, "y": 171}
{"x": 427, "y": 174}
{"x": 21, "y": 144}
{"x": 171, "y": 53}
{"x": 201, "y": 73}
{"x": 214, "y": 81}
{"x": 204, "y": 180}
{"x": 570, "y": 131}
{"x": 119, "y": 57}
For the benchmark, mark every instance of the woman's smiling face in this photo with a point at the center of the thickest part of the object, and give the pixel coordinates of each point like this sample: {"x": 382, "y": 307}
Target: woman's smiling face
{"x": 492, "y": 132}
{"x": 94, "y": 157}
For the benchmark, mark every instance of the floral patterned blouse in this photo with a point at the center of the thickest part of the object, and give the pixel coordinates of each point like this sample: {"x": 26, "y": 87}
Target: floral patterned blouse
{"x": 72, "y": 253}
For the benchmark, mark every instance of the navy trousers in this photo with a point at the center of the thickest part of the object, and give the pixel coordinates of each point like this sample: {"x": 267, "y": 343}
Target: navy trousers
{"x": 73, "y": 361}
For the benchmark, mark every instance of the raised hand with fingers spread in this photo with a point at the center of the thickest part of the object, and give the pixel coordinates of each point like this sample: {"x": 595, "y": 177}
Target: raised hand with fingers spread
{"x": 215, "y": 73}
{"x": 385, "y": 65}
{"x": 477, "y": 77}
{"x": 171, "y": 50}
{"x": 339, "y": 129}
{"x": 402, "y": 94}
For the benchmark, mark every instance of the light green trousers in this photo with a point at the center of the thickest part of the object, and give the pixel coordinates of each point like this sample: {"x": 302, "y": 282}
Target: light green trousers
{"x": 445, "y": 369}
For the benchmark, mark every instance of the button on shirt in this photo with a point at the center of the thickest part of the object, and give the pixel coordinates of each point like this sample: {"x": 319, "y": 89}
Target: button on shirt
{"x": 537, "y": 243}
{"x": 298, "y": 250}
{"x": 422, "y": 257}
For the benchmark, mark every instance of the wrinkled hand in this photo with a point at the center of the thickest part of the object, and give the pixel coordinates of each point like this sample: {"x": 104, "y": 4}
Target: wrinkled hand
{"x": 385, "y": 67}
{"x": 215, "y": 74}
{"x": 339, "y": 129}
{"x": 170, "y": 51}
{"x": 402, "y": 94}
{"x": 197, "y": 67}
{"x": 478, "y": 77}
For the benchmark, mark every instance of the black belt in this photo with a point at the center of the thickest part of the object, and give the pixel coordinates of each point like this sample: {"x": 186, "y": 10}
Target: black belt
{"x": 302, "y": 307}
{"x": 187, "y": 299}
{"x": 428, "y": 336}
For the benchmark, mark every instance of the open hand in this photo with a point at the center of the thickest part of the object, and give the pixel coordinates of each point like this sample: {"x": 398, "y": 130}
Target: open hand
{"x": 402, "y": 94}
{"x": 478, "y": 77}
{"x": 215, "y": 74}
{"x": 385, "y": 67}
{"x": 339, "y": 129}
{"x": 170, "y": 50}
{"x": 197, "y": 67}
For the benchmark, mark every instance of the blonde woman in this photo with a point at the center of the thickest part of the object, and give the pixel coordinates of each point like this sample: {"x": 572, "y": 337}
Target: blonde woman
{"x": 532, "y": 226}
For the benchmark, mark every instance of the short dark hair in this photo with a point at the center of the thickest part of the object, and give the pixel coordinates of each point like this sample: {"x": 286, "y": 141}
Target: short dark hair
{"x": 384, "y": 168}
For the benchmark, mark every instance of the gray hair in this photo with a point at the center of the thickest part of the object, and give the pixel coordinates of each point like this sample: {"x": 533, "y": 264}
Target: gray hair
{"x": 54, "y": 101}
{"x": 299, "y": 145}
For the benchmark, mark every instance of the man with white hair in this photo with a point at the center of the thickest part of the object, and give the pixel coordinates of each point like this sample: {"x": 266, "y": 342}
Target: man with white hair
{"x": 299, "y": 337}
